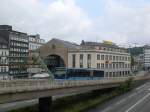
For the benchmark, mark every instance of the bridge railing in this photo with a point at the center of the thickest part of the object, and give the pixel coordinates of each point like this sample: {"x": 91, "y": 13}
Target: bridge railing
{"x": 20, "y": 85}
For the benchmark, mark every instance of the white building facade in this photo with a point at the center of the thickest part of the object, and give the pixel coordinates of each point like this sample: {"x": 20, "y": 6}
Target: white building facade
{"x": 147, "y": 57}
{"x": 4, "y": 54}
{"x": 35, "y": 42}
{"x": 113, "y": 60}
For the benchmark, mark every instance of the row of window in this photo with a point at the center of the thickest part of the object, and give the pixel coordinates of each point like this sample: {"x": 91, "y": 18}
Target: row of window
{"x": 81, "y": 56}
{"x": 34, "y": 46}
{"x": 112, "y": 65}
{"x": 19, "y": 54}
{"x": 3, "y": 46}
{"x": 112, "y": 49}
{"x": 19, "y": 67}
{"x": 100, "y": 65}
{"x": 17, "y": 60}
{"x": 114, "y": 58}
{"x": 4, "y": 53}
{"x": 81, "y": 61}
{"x": 81, "y": 65}
{"x": 97, "y": 47}
{"x": 42, "y": 41}
{"x": 3, "y": 61}
{"x": 20, "y": 38}
{"x": 18, "y": 72}
{"x": 117, "y": 74}
{"x": 18, "y": 50}
{"x": 3, "y": 69}
{"x": 19, "y": 44}
{"x": 107, "y": 57}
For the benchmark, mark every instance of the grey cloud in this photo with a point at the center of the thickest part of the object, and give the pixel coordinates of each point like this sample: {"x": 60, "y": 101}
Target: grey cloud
{"x": 63, "y": 19}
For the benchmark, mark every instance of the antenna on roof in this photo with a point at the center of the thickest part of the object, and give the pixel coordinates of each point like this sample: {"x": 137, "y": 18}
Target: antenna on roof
{"x": 135, "y": 44}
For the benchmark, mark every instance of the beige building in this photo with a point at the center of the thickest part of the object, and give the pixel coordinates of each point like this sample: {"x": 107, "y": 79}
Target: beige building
{"x": 113, "y": 60}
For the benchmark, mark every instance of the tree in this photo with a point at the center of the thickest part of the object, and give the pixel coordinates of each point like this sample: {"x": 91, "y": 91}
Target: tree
{"x": 132, "y": 62}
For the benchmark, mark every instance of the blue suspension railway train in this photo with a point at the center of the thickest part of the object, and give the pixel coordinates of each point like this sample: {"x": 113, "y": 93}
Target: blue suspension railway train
{"x": 78, "y": 73}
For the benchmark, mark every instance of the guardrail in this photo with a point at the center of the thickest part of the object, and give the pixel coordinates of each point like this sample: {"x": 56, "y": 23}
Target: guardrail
{"x": 22, "y": 85}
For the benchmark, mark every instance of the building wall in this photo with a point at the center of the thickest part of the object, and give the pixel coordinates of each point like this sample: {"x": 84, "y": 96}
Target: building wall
{"x": 85, "y": 60}
{"x": 33, "y": 46}
{"x": 4, "y": 68}
{"x": 19, "y": 52}
{"x": 35, "y": 42}
{"x": 147, "y": 57}
{"x": 54, "y": 48}
{"x": 120, "y": 65}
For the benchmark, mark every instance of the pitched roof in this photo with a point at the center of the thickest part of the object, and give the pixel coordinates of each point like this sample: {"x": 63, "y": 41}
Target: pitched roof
{"x": 67, "y": 44}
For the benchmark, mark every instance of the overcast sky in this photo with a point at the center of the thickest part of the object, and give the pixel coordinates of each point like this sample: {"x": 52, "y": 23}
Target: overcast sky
{"x": 120, "y": 21}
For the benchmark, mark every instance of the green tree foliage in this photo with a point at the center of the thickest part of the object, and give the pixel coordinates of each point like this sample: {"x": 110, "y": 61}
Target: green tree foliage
{"x": 135, "y": 51}
{"x": 126, "y": 86}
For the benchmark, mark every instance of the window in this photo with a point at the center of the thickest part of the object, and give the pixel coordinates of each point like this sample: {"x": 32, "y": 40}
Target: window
{"x": 106, "y": 57}
{"x": 98, "y": 57}
{"x": 120, "y": 65}
{"x": 73, "y": 60}
{"x": 128, "y": 65}
{"x": 110, "y": 57}
{"x": 110, "y": 66}
{"x": 81, "y": 60}
{"x": 89, "y": 61}
{"x": 106, "y": 74}
{"x": 102, "y": 57}
{"x": 98, "y": 65}
{"x": 114, "y": 58}
{"x": 110, "y": 74}
{"x": 102, "y": 65}
{"x": 89, "y": 57}
{"x": 117, "y": 65}
{"x": 123, "y": 58}
{"x": 4, "y": 69}
{"x": 106, "y": 65}
{"x": 88, "y": 65}
{"x": 81, "y": 65}
{"x": 113, "y": 65}
{"x": 120, "y": 58}
{"x": 123, "y": 65}
{"x": 117, "y": 58}
{"x": 126, "y": 58}
{"x": 81, "y": 56}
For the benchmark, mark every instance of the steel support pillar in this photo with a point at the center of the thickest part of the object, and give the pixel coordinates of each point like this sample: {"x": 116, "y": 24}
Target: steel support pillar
{"x": 45, "y": 104}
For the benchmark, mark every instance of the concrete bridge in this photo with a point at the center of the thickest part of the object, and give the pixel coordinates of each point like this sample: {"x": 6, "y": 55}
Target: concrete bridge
{"x": 26, "y": 89}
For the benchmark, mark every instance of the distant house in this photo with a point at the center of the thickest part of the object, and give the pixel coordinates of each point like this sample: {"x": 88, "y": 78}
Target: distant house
{"x": 147, "y": 57}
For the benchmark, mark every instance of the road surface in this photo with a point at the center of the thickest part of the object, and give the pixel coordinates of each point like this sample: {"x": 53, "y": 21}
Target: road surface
{"x": 138, "y": 100}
